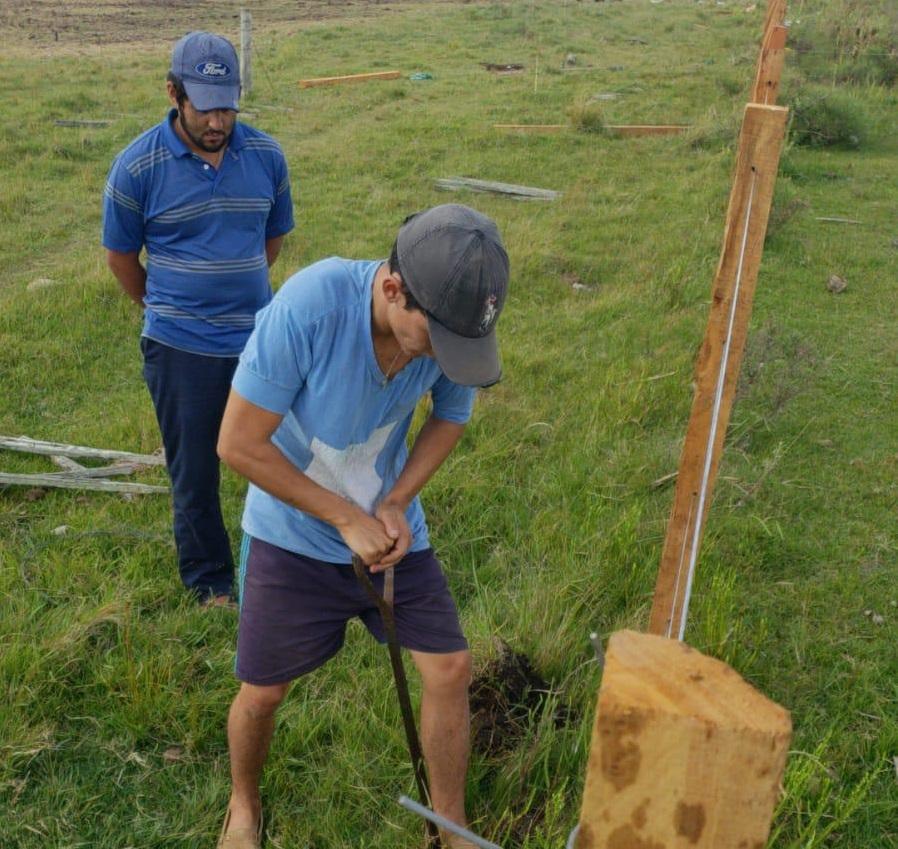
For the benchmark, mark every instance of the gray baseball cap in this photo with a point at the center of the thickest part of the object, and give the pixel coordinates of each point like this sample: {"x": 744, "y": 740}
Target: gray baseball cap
{"x": 208, "y": 67}
{"x": 452, "y": 260}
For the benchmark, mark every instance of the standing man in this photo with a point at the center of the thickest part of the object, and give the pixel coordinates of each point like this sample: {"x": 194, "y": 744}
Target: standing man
{"x": 317, "y": 421}
{"x": 209, "y": 199}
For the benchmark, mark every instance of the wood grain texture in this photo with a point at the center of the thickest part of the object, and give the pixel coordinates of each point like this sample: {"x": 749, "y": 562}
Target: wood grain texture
{"x": 775, "y": 16}
{"x": 685, "y": 754}
{"x": 760, "y": 144}
{"x": 769, "y": 69}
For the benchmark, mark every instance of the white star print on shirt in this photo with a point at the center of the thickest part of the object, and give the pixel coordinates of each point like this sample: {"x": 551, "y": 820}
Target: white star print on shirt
{"x": 350, "y": 471}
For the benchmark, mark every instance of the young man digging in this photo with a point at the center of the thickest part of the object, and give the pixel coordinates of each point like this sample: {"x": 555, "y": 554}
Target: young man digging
{"x": 321, "y": 404}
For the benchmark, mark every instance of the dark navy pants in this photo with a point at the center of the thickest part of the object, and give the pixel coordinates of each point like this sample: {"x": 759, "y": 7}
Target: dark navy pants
{"x": 189, "y": 393}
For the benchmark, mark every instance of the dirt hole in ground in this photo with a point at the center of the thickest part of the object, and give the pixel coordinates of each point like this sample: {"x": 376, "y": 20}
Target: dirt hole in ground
{"x": 508, "y": 698}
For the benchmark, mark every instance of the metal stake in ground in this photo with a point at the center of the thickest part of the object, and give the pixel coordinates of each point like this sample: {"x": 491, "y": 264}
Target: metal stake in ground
{"x": 384, "y": 604}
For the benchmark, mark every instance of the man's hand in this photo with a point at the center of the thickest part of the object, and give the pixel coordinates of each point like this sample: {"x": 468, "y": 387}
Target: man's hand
{"x": 394, "y": 522}
{"x": 368, "y": 537}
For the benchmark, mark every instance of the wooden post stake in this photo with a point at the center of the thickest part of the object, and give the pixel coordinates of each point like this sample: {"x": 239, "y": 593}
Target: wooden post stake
{"x": 770, "y": 66}
{"x": 685, "y": 754}
{"x": 350, "y": 78}
{"x": 717, "y": 368}
{"x": 774, "y": 17}
{"x": 246, "y": 51}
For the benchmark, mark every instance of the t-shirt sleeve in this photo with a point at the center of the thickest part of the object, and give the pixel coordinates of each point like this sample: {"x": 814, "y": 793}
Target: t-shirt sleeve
{"x": 280, "y": 218}
{"x": 276, "y": 360}
{"x": 123, "y": 210}
{"x": 451, "y": 402}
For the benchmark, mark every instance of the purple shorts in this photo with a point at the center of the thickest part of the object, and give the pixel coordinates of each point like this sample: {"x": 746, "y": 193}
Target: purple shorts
{"x": 294, "y": 610}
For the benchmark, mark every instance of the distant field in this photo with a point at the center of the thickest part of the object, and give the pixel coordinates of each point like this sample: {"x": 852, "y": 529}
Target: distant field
{"x": 115, "y": 689}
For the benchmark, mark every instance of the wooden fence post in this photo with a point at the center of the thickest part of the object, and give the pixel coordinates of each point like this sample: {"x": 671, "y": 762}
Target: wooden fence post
{"x": 719, "y": 360}
{"x": 774, "y": 17}
{"x": 246, "y": 51}
{"x": 685, "y": 754}
{"x": 770, "y": 66}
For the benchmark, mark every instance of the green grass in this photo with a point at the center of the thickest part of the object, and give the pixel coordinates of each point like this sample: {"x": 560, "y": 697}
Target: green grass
{"x": 545, "y": 517}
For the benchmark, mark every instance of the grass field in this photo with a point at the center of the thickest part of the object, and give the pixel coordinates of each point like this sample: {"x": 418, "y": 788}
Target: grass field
{"x": 115, "y": 689}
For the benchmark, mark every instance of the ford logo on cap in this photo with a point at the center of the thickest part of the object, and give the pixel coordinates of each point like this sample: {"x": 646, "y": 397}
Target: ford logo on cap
{"x": 213, "y": 69}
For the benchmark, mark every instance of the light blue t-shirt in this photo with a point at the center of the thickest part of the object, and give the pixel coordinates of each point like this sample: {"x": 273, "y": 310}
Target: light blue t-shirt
{"x": 311, "y": 359}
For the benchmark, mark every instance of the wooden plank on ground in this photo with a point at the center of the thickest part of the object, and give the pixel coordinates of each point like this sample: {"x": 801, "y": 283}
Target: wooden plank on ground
{"x": 533, "y": 128}
{"x": 37, "y": 446}
{"x": 350, "y": 78}
{"x": 684, "y": 752}
{"x": 78, "y": 122}
{"x": 719, "y": 360}
{"x": 517, "y": 192}
{"x": 646, "y": 129}
{"x": 769, "y": 69}
{"x": 66, "y": 481}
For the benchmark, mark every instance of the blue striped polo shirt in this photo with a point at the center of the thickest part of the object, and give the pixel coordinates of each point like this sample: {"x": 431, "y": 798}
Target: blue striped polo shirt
{"x": 204, "y": 230}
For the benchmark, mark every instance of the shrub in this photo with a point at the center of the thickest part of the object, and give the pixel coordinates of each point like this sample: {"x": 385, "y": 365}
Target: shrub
{"x": 853, "y": 41}
{"x": 587, "y": 117}
{"x": 827, "y": 118}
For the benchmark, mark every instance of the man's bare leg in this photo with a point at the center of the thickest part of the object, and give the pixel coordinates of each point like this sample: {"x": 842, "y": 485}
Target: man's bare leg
{"x": 250, "y": 726}
{"x": 445, "y": 732}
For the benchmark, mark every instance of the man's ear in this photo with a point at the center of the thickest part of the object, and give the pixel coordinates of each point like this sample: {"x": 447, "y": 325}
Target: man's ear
{"x": 170, "y": 88}
{"x": 392, "y": 286}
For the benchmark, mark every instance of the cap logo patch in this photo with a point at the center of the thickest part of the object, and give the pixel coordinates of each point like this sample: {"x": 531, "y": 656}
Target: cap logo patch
{"x": 213, "y": 69}
{"x": 489, "y": 314}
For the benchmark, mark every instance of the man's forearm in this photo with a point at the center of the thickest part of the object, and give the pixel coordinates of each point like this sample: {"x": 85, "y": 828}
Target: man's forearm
{"x": 263, "y": 464}
{"x": 273, "y": 249}
{"x": 433, "y": 445}
{"x": 245, "y": 444}
{"x": 131, "y": 275}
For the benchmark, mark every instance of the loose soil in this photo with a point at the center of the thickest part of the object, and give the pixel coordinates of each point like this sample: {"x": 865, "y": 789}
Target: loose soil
{"x": 508, "y": 697}
{"x": 82, "y": 26}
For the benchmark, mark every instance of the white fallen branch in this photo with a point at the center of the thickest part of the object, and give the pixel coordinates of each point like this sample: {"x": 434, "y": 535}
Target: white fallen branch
{"x": 67, "y": 463}
{"x": 67, "y": 481}
{"x": 37, "y": 446}
{"x": 98, "y": 472}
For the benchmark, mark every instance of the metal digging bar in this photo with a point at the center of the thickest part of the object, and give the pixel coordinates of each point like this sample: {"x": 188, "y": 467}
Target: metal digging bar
{"x": 384, "y": 604}
{"x": 448, "y": 825}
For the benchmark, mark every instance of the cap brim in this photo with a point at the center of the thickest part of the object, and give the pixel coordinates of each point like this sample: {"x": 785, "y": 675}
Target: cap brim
{"x": 206, "y": 97}
{"x": 466, "y": 361}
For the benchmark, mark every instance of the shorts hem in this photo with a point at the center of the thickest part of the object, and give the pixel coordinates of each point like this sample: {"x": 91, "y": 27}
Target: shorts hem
{"x": 441, "y": 650}
{"x": 284, "y": 677}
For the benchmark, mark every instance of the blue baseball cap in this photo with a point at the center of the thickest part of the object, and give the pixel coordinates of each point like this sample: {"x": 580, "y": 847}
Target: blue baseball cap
{"x": 208, "y": 67}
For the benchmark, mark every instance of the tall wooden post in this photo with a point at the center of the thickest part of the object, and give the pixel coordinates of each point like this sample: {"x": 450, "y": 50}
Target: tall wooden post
{"x": 770, "y": 66}
{"x": 719, "y": 360}
{"x": 685, "y": 754}
{"x": 774, "y": 17}
{"x": 246, "y": 51}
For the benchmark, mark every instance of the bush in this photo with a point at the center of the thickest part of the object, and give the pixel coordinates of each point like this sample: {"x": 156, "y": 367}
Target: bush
{"x": 587, "y": 117}
{"x": 827, "y": 118}
{"x": 852, "y": 41}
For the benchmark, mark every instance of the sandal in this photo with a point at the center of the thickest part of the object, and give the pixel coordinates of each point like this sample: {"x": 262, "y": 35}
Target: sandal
{"x": 240, "y": 838}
